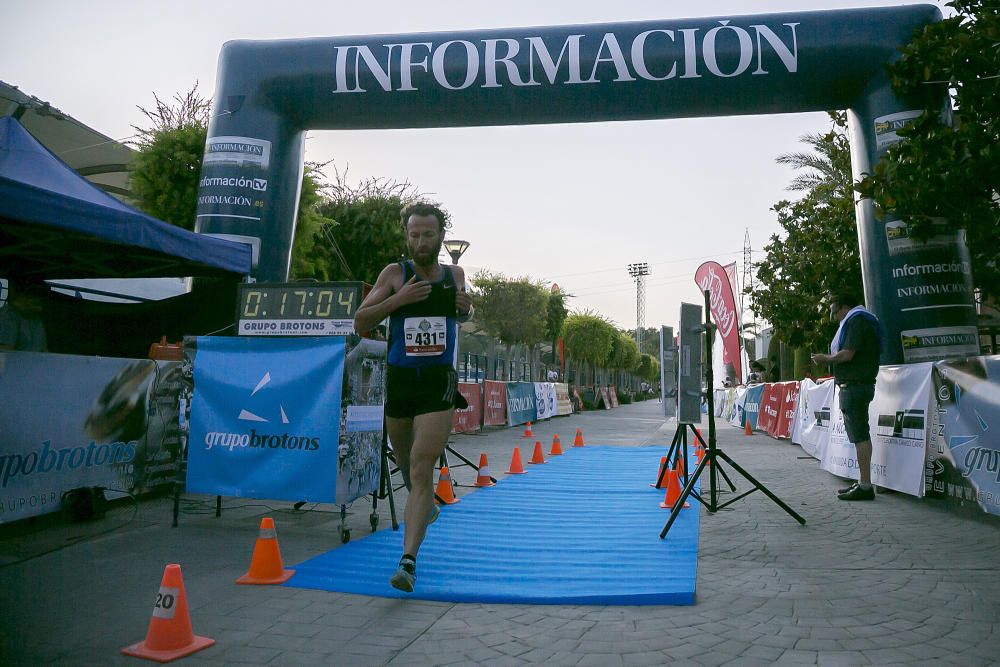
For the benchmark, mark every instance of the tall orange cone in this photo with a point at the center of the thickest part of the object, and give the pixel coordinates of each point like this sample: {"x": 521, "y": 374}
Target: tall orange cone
{"x": 578, "y": 441}
{"x": 170, "y": 635}
{"x": 265, "y": 565}
{"x": 516, "y": 467}
{"x": 445, "y": 491}
{"x": 527, "y": 431}
{"x": 673, "y": 491}
{"x": 659, "y": 475}
{"x": 556, "y": 446}
{"x": 747, "y": 429}
{"x": 483, "y": 478}
{"x": 679, "y": 466}
{"x": 537, "y": 456}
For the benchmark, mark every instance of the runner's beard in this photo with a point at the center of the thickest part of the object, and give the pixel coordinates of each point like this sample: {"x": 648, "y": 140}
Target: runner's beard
{"x": 426, "y": 258}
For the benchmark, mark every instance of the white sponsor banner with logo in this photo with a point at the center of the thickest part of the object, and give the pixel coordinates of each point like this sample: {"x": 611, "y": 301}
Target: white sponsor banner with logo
{"x": 739, "y": 401}
{"x": 811, "y": 427}
{"x": 545, "y": 400}
{"x": 898, "y": 423}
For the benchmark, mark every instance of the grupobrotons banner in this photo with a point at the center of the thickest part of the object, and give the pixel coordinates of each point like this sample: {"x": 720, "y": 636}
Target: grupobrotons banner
{"x": 712, "y": 277}
{"x": 265, "y": 418}
{"x": 963, "y": 454}
{"x": 70, "y": 421}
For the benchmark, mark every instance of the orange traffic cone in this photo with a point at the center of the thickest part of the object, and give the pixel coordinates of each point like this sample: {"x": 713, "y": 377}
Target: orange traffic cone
{"x": 516, "y": 467}
{"x": 169, "y": 636}
{"x": 679, "y": 466}
{"x": 747, "y": 429}
{"x": 445, "y": 492}
{"x": 483, "y": 478}
{"x": 536, "y": 456}
{"x": 556, "y": 447}
{"x": 673, "y": 491}
{"x": 659, "y": 474}
{"x": 527, "y": 431}
{"x": 265, "y": 565}
{"x": 578, "y": 441}
{"x": 700, "y": 453}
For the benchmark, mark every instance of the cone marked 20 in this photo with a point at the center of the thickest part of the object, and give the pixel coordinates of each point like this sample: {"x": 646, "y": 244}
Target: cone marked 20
{"x": 170, "y": 635}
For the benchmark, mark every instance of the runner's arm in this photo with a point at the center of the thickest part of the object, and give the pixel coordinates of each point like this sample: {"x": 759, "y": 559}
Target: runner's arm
{"x": 380, "y": 301}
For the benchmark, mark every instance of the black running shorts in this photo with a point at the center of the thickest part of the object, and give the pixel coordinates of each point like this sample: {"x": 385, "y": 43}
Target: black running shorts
{"x": 419, "y": 391}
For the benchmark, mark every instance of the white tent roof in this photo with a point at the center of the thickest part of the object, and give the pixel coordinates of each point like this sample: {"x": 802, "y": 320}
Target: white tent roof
{"x": 100, "y": 159}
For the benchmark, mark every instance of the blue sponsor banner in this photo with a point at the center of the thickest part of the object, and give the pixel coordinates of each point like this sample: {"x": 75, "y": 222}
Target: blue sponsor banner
{"x": 751, "y": 405}
{"x": 963, "y": 451}
{"x": 521, "y": 406}
{"x": 265, "y": 417}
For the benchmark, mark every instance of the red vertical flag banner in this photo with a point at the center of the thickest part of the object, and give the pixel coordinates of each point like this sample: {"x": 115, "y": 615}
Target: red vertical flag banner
{"x": 712, "y": 277}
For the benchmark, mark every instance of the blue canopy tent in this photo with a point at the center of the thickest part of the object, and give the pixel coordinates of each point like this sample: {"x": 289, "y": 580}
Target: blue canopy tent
{"x": 54, "y": 224}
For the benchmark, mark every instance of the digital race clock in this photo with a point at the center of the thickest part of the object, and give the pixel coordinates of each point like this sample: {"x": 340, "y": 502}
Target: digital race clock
{"x": 297, "y": 309}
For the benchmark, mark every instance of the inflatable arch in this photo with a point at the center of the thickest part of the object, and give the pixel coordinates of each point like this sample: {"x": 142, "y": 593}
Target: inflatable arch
{"x": 270, "y": 92}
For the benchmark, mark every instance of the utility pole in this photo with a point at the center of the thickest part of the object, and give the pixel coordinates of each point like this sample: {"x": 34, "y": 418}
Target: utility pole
{"x": 639, "y": 271}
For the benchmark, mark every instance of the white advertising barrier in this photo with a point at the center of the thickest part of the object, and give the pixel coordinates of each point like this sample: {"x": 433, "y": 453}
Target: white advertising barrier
{"x": 811, "y": 428}
{"x": 720, "y": 401}
{"x": 563, "y": 405}
{"x": 898, "y": 422}
{"x": 545, "y": 400}
{"x": 739, "y": 400}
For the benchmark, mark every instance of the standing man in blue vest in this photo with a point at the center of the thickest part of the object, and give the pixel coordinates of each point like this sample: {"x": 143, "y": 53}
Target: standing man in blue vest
{"x": 854, "y": 355}
{"x": 424, "y": 301}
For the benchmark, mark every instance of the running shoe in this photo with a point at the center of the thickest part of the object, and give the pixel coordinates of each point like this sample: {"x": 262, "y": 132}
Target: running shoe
{"x": 405, "y": 576}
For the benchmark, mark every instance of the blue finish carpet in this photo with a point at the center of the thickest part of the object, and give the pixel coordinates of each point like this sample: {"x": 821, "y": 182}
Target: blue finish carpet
{"x": 580, "y": 529}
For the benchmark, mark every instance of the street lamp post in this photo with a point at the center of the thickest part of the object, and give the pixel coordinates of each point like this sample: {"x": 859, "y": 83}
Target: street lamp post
{"x": 456, "y": 249}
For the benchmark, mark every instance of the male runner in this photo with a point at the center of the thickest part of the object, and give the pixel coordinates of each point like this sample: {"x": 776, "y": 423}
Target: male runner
{"x": 424, "y": 302}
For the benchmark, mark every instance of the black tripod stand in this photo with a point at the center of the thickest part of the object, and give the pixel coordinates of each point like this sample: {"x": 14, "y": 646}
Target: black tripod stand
{"x": 679, "y": 450}
{"x": 713, "y": 454}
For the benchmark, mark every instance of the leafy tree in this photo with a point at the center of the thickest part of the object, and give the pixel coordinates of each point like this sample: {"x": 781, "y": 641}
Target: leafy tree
{"x": 367, "y": 233}
{"x": 164, "y": 173}
{"x": 819, "y": 251}
{"x": 513, "y": 310}
{"x": 588, "y": 338}
{"x": 949, "y": 171}
{"x": 649, "y": 368}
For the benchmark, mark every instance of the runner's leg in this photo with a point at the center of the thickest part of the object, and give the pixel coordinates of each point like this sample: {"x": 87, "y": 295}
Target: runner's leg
{"x": 430, "y": 435}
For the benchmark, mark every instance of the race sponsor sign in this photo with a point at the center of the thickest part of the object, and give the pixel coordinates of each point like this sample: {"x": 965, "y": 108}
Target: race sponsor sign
{"x": 963, "y": 454}
{"x": 72, "y": 421}
{"x": 712, "y": 277}
{"x": 261, "y": 423}
{"x": 469, "y": 419}
{"x": 544, "y": 409}
{"x": 811, "y": 428}
{"x": 751, "y": 406}
{"x": 494, "y": 403}
{"x": 521, "y": 406}
{"x": 898, "y": 424}
{"x": 770, "y": 404}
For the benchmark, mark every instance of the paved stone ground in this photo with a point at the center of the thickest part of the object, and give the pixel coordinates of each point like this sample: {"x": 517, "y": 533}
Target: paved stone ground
{"x": 897, "y": 581}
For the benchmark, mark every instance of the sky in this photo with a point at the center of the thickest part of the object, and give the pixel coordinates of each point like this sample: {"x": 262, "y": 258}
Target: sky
{"x": 572, "y": 204}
